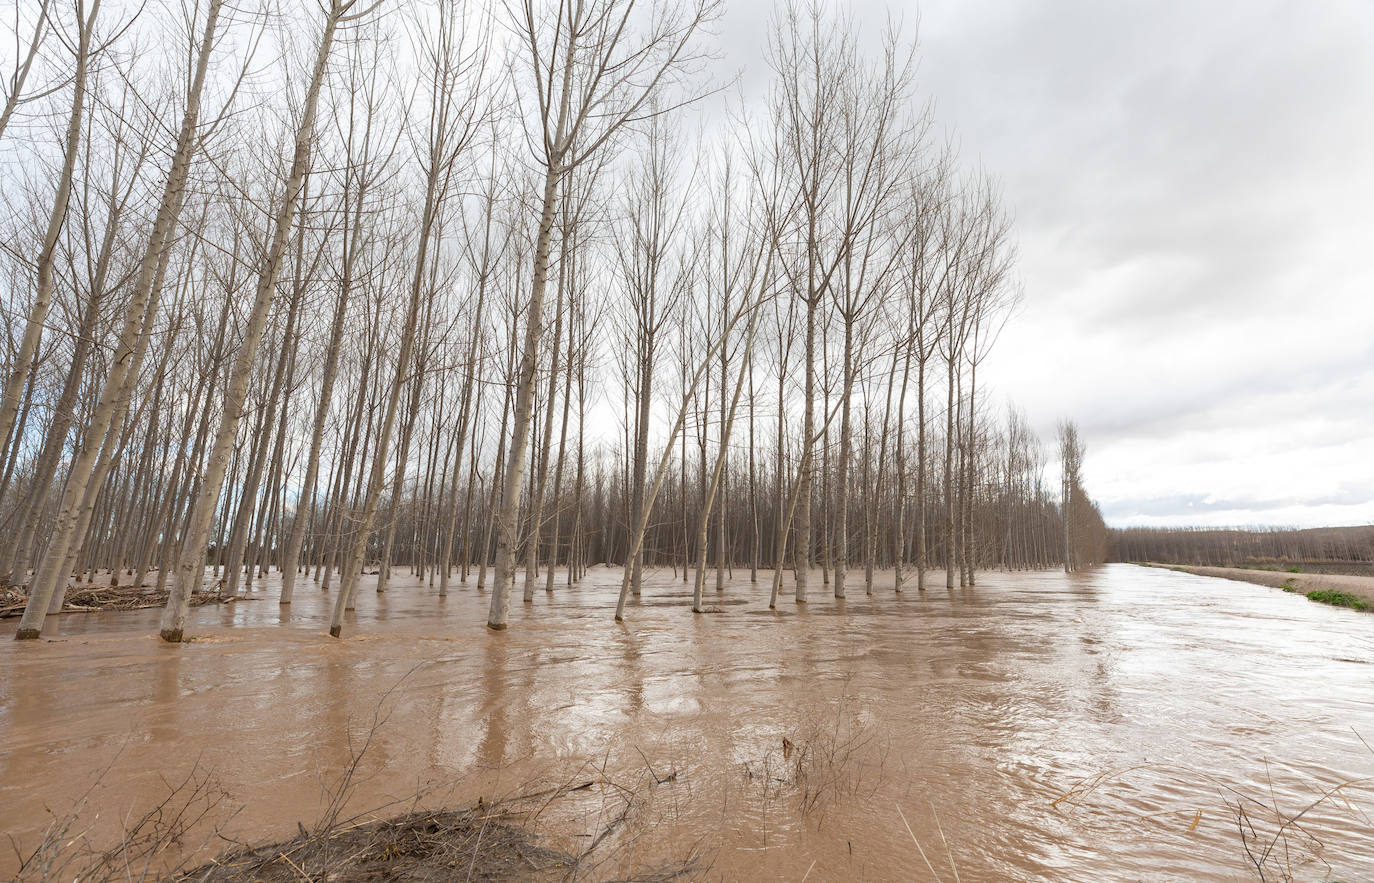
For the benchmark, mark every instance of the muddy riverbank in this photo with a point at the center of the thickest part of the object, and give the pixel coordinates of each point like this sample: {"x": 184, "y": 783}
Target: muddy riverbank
{"x": 1300, "y": 583}
{"x": 1112, "y": 724}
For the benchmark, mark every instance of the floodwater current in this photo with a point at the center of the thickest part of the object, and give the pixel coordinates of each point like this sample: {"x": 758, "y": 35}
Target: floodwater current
{"x": 1122, "y": 723}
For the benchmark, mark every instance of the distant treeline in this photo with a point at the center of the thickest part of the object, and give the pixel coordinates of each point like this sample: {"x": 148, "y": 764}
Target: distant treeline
{"x": 1234, "y": 547}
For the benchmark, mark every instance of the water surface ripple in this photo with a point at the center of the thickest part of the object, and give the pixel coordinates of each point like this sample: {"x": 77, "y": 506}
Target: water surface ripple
{"x": 960, "y": 715}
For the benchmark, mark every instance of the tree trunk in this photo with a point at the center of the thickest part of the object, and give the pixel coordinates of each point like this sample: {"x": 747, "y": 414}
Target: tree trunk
{"x": 132, "y": 339}
{"x": 506, "y": 526}
{"x": 191, "y": 568}
{"x": 47, "y": 252}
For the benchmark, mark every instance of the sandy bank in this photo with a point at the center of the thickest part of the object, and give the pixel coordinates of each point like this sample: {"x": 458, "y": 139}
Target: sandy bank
{"x": 1361, "y": 586}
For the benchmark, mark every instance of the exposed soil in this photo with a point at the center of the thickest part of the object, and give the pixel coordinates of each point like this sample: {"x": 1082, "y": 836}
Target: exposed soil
{"x": 1359, "y": 586}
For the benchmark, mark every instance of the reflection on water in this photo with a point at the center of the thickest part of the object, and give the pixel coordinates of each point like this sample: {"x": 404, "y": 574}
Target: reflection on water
{"x": 963, "y": 716}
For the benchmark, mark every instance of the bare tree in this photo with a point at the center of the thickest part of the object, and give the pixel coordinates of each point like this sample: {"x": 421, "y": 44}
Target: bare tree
{"x": 368, "y": 156}
{"x": 1070, "y": 468}
{"x": 133, "y": 337}
{"x": 14, "y": 87}
{"x": 191, "y": 567}
{"x": 47, "y": 251}
{"x": 592, "y": 75}
{"x": 455, "y": 120}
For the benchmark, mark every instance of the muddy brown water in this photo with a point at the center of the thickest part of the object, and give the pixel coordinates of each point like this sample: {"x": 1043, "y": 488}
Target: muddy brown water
{"x": 944, "y": 724}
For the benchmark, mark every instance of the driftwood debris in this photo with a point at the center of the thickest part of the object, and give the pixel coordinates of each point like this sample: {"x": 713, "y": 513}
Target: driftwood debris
{"x": 13, "y": 599}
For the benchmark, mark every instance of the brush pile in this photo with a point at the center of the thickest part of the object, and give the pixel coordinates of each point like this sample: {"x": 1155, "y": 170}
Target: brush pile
{"x": 469, "y": 844}
{"x": 13, "y": 599}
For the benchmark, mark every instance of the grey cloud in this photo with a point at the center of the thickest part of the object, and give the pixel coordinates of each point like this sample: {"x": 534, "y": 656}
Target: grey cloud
{"x": 1351, "y": 494}
{"x": 1191, "y": 184}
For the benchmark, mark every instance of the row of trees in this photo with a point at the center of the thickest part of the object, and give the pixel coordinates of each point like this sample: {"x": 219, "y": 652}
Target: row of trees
{"x": 1086, "y": 537}
{"x": 1235, "y": 547}
{"x": 461, "y": 296}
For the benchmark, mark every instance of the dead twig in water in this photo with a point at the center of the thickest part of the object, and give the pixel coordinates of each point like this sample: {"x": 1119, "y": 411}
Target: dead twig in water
{"x": 1266, "y": 830}
{"x": 948, "y": 854}
{"x": 149, "y": 848}
{"x": 919, "y": 848}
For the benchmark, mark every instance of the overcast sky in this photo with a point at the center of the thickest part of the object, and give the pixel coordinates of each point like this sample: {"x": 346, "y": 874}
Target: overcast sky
{"x": 1193, "y": 187}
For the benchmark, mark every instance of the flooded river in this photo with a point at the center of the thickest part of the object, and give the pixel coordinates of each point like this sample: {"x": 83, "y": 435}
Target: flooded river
{"x": 1120, "y": 724}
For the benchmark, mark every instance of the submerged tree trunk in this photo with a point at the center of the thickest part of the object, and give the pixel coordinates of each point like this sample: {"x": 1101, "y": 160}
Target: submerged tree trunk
{"x": 305, "y": 501}
{"x": 951, "y": 428}
{"x": 506, "y": 526}
{"x": 132, "y": 336}
{"x": 727, "y": 424}
{"x": 191, "y": 567}
{"x": 537, "y": 504}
